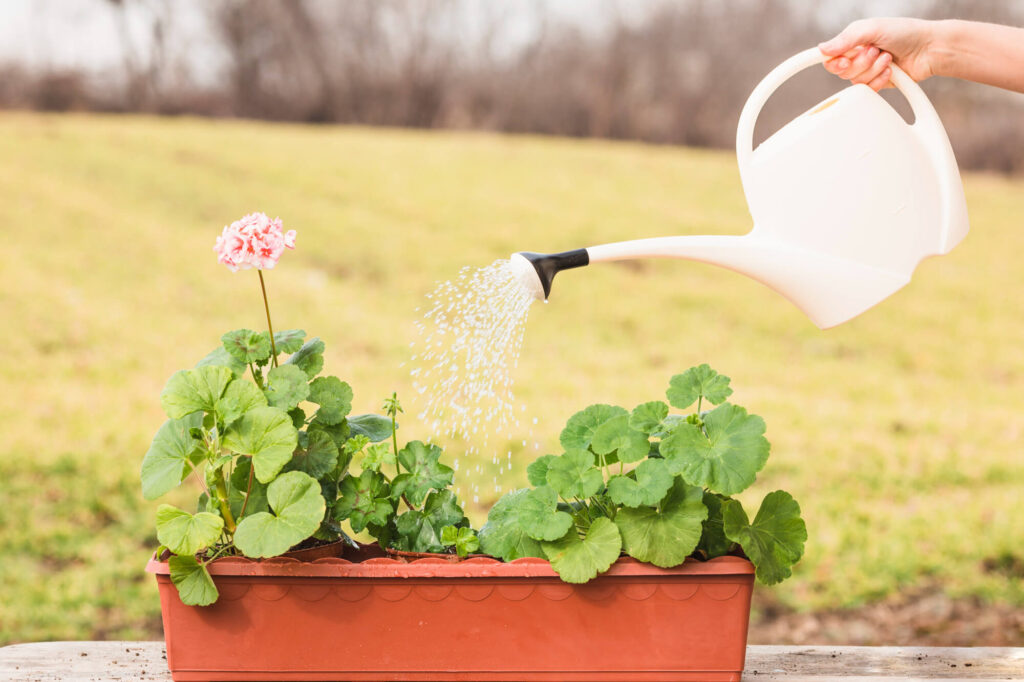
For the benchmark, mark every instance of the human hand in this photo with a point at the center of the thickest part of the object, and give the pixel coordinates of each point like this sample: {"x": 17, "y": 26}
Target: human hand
{"x": 865, "y": 50}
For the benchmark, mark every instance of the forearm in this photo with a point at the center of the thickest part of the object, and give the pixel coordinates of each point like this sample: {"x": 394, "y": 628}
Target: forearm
{"x": 987, "y": 53}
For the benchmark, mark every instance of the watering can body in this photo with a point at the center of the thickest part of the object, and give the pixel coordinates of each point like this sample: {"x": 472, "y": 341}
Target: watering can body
{"x": 847, "y": 199}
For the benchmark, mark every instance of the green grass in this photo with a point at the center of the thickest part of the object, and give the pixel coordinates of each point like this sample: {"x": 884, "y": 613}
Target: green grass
{"x": 900, "y": 432}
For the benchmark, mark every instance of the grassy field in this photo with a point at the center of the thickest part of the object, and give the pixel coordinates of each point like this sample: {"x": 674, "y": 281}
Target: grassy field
{"x": 900, "y": 432}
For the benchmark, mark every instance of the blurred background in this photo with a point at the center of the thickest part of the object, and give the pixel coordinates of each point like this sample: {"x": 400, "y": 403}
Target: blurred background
{"x": 406, "y": 139}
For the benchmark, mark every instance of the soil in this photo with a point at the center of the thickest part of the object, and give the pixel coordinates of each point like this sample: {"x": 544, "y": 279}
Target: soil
{"x": 923, "y": 617}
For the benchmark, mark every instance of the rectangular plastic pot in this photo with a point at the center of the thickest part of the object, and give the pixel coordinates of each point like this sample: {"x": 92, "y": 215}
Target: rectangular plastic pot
{"x": 479, "y": 619}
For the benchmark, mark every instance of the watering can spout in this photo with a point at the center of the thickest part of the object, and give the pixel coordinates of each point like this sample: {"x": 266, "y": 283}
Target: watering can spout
{"x": 829, "y": 290}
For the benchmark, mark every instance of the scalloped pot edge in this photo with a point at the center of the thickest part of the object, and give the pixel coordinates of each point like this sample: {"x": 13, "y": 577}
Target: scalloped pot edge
{"x": 478, "y": 619}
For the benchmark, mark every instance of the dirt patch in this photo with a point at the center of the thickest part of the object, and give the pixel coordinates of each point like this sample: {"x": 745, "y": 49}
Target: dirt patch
{"x": 919, "y": 618}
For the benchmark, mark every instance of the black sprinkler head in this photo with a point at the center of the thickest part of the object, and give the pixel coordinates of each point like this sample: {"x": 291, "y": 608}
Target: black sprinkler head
{"x": 544, "y": 268}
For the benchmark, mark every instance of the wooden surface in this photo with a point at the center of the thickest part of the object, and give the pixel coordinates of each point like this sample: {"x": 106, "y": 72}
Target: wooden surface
{"x": 145, "y": 662}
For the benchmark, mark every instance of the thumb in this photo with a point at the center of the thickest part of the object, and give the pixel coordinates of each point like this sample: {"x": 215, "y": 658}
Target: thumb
{"x": 857, "y": 33}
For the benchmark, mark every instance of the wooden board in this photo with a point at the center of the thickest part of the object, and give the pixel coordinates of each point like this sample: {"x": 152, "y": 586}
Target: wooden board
{"x": 146, "y": 662}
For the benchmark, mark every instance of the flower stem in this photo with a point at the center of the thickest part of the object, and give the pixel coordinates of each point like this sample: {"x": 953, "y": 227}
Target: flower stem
{"x": 270, "y": 325}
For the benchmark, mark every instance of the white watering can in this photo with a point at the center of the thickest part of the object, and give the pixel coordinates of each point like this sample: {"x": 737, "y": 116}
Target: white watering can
{"x": 847, "y": 199}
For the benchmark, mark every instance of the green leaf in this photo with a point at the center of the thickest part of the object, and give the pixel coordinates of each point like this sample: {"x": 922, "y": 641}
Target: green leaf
{"x": 318, "y": 458}
{"x": 651, "y": 480}
{"x": 774, "y": 541}
{"x": 539, "y": 515}
{"x": 333, "y": 396}
{"x": 713, "y": 541}
{"x": 268, "y": 435}
{"x": 240, "y": 484}
{"x": 192, "y": 390}
{"x": 364, "y": 500}
{"x": 309, "y": 358}
{"x": 338, "y": 432}
{"x": 298, "y": 417}
{"x": 727, "y": 459}
{"x": 648, "y": 417}
{"x": 289, "y": 341}
{"x": 667, "y": 535}
{"x": 247, "y": 346}
{"x": 166, "y": 462}
{"x": 573, "y": 475}
{"x": 420, "y": 531}
{"x": 378, "y": 456}
{"x": 579, "y": 560}
{"x": 537, "y": 471}
{"x": 616, "y": 435}
{"x": 698, "y": 382}
{"x": 423, "y": 472}
{"x": 185, "y": 533}
{"x": 373, "y": 426}
{"x": 239, "y": 397}
{"x": 579, "y": 430}
{"x": 463, "y": 539}
{"x": 416, "y": 533}
{"x": 298, "y": 508}
{"x": 502, "y": 536}
{"x": 193, "y": 581}
{"x": 286, "y": 387}
{"x": 219, "y": 357}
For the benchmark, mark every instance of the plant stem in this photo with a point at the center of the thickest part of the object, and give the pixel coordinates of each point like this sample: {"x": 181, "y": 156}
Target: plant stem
{"x": 248, "y": 491}
{"x": 270, "y": 326}
{"x": 394, "y": 440}
{"x": 222, "y": 498}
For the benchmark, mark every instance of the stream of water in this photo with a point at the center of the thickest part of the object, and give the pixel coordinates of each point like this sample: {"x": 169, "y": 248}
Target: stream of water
{"x": 466, "y": 350}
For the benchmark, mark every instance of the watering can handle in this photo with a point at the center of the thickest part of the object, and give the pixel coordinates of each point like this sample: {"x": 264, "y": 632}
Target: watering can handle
{"x": 926, "y": 125}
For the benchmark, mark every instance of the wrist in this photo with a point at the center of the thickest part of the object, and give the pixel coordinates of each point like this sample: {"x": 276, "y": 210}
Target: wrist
{"x": 941, "y": 46}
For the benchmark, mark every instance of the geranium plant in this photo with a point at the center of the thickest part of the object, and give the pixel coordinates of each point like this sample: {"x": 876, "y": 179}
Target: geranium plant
{"x": 270, "y": 443}
{"x": 653, "y": 485}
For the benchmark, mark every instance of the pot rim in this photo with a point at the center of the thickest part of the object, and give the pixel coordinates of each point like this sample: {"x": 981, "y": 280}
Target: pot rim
{"x": 479, "y": 567}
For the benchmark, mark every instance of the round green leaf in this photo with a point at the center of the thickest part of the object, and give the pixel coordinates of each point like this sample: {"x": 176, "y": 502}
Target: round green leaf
{"x": 185, "y": 533}
{"x": 247, "y": 346}
{"x": 319, "y": 457}
{"x": 578, "y": 560}
{"x": 334, "y": 397}
{"x": 268, "y": 435}
{"x": 193, "y": 581}
{"x": 286, "y": 386}
{"x": 648, "y": 417}
{"x": 774, "y": 541}
{"x": 239, "y": 397}
{"x": 650, "y": 481}
{"x": 698, "y": 382}
{"x": 298, "y": 507}
{"x": 218, "y": 357}
{"x": 289, "y": 341}
{"x": 166, "y": 463}
{"x": 309, "y": 358}
{"x": 727, "y": 459}
{"x": 193, "y": 390}
{"x": 573, "y": 475}
{"x": 537, "y": 470}
{"x": 539, "y": 515}
{"x": 667, "y": 535}
{"x": 616, "y": 435}
{"x": 579, "y": 430}
{"x": 502, "y": 536}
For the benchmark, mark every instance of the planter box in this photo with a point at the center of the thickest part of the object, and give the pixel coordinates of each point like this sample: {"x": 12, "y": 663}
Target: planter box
{"x": 478, "y": 619}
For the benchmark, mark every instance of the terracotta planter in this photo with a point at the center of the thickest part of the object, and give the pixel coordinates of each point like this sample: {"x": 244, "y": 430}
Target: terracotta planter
{"x": 479, "y": 619}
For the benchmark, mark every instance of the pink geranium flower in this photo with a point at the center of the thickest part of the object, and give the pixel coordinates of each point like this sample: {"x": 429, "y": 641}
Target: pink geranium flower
{"x": 255, "y": 241}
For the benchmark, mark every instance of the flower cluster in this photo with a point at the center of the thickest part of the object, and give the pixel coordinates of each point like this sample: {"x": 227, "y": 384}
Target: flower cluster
{"x": 255, "y": 241}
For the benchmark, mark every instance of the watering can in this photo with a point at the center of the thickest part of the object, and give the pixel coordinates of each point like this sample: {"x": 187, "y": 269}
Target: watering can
{"x": 847, "y": 199}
